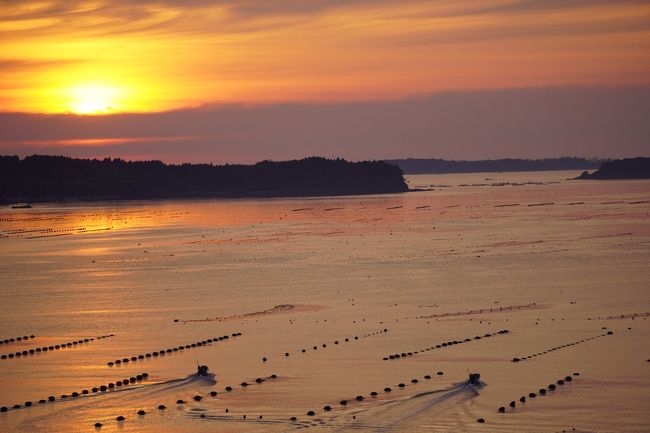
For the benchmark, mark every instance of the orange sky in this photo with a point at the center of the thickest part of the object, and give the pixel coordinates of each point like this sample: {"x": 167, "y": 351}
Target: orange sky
{"x": 102, "y": 57}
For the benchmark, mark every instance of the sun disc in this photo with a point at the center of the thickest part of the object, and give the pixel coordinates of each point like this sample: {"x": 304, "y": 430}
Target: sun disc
{"x": 93, "y": 99}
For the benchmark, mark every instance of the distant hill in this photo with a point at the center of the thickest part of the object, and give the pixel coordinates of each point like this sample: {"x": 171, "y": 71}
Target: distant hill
{"x": 51, "y": 178}
{"x": 439, "y": 166}
{"x": 629, "y": 168}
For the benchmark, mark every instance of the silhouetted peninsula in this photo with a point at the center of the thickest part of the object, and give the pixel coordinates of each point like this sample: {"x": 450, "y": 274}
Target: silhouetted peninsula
{"x": 629, "y": 168}
{"x": 50, "y": 178}
{"x": 440, "y": 166}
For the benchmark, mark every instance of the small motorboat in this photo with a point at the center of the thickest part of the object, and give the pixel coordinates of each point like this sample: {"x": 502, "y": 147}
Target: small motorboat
{"x": 474, "y": 379}
{"x": 202, "y": 370}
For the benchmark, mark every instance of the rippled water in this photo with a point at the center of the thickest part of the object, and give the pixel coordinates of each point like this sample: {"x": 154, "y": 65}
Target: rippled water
{"x": 558, "y": 263}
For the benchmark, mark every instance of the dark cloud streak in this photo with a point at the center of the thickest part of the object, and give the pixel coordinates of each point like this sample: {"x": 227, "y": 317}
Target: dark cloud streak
{"x": 537, "y": 122}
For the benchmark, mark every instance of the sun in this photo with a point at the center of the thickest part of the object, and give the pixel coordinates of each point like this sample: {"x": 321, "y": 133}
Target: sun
{"x": 92, "y": 98}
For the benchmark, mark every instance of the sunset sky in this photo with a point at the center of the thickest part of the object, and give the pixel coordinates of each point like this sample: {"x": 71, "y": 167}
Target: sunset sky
{"x": 244, "y": 80}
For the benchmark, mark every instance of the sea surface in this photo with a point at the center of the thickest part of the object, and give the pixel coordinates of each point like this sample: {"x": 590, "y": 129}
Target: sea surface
{"x": 331, "y": 300}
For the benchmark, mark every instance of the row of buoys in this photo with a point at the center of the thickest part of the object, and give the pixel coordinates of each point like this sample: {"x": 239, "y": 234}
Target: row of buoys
{"x": 402, "y": 355}
{"x": 507, "y": 308}
{"x": 94, "y": 390}
{"x": 553, "y": 349}
{"x": 542, "y": 391}
{"x": 374, "y": 394}
{"x": 631, "y": 316}
{"x": 336, "y": 342}
{"x": 52, "y": 347}
{"x": 163, "y": 352}
{"x": 277, "y": 309}
{"x": 16, "y": 339}
{"x": 197, "y": 398}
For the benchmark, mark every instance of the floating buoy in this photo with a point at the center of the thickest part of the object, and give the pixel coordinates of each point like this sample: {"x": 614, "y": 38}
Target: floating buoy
{"x": 502, "y": 409}
{"x": 180, "y": 402}
{"x": 197, "y": 398}
{"x": 311, "y": 413}
{"x": 162, "y": 407}
{"x": 343, "y": 402}
{"x": 387, "y": 390}
{"x": 327, "y": 408}
{"x": 480, "y": 420}
{"x": 120, "y": 418}
{"x": 98, "y": 424}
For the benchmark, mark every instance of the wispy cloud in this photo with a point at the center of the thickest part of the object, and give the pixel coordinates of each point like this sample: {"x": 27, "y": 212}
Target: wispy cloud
{"x": 166, "y": 54}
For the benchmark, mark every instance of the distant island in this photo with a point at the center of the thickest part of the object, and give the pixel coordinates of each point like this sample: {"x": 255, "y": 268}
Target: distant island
{"x": 440, "y": 166}
{"x": 53, "y": 178}
{"x": 629, "y": 168}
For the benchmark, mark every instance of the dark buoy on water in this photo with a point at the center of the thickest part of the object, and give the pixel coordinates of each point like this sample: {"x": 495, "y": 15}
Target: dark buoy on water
{"x": 120, "y": 418}
{"x": 162, "y": 407}
{"x": 480, "y": 420}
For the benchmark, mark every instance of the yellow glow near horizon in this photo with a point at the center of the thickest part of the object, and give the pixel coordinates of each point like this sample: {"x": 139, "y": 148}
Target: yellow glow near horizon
{"x": 91, "y": 98}
{"x": 104, "y": 57}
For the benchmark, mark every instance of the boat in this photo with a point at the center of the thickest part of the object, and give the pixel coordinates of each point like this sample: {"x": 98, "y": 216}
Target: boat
{"x": 474, "y": 379}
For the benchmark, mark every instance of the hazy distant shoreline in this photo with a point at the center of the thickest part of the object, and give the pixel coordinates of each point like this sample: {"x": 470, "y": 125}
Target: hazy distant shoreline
{"x": 442, "y": 166}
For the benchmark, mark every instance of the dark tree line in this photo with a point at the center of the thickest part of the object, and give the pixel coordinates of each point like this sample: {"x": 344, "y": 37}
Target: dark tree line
{"x": 46, "y": 178}
{"x": 628, "y": 168}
